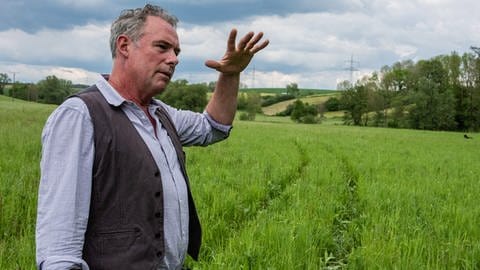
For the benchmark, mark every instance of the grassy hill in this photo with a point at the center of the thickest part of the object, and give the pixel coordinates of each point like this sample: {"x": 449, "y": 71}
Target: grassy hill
{"x": 312, "y": 99}
{"x": 303, "y": 91}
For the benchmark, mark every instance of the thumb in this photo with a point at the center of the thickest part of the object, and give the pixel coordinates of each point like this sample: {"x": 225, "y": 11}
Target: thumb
{"x": 212, "y": 64}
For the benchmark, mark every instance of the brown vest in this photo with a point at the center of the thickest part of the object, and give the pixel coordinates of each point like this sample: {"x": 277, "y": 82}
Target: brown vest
{"x": 125, "y": 225}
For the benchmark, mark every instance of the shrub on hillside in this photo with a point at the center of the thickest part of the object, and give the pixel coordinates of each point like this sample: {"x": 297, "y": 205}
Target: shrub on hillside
{"x": 301, "y": 112}
{"x": 332, "y": 104}
{"x": 245, "y": 116}
{"x": 270, "y": 100}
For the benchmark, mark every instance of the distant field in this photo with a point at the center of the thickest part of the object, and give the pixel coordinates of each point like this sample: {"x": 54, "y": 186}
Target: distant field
{"x": 281, "y": 106}
{"x": 279, "y": 195}
{"x": 283, "y": 91}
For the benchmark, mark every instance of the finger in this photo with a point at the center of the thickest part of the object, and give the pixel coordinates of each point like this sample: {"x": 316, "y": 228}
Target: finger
{"x": 254, "y": 41}
{"x": 231, "y": 40}
{"x": 257, "y": 48}
{"x": 243, "y": 42}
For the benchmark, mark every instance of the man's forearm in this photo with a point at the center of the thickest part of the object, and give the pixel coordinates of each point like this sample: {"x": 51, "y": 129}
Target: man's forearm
{"x": 223, "y": 104}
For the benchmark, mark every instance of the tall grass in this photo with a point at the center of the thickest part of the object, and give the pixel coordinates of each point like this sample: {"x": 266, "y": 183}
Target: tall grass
{"x": 358, "y": 198}
{"x": 20, "y": 128}
{"x": 290, "y": 196}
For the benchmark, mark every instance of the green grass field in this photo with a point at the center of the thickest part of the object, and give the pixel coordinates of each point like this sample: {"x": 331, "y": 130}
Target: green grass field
{"x": 278, "y": 195}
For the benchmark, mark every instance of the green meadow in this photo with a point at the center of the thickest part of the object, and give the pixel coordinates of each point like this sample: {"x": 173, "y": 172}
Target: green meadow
{"x": 279, "y": 195}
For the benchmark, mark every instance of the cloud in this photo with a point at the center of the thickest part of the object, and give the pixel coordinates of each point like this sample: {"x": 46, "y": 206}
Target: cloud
{"x": 84, "y": 4}
{"x": 82, "y": 45}
{"x": 34, "y": 73}
{"x": 310, "y": 41}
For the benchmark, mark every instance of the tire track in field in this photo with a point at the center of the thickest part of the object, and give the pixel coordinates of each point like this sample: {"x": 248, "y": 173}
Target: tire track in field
{"x": 275, "y": 190}
{"x": 348, "y": 221}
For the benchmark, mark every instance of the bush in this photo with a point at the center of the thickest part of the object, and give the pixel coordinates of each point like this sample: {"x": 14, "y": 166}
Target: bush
{"x": 245, "y": 116}
{"x": 309, "y": 119}
{"x": 332, "y": 104}
{"x": 270, "y": 100}
{"x": 242, "y": 101}
{"x": 304, "y": 112}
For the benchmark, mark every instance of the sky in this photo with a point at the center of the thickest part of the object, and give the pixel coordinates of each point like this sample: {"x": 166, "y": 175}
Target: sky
{"x": 314, "y": 43}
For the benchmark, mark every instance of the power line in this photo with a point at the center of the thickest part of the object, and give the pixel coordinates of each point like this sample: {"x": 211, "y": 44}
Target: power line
{"x": 14, "y": 73}
{"x": 351, "y": 67}
{"x": 476, "y": 50}
{"x": 12, "y": 88}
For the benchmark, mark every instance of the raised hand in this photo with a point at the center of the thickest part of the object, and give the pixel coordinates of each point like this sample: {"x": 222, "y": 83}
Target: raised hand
{"x": 238, "y": 56}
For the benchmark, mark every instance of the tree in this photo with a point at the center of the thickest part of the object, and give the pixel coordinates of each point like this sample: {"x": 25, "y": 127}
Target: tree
{"x": 211, "y": 86}
{"x": 361, "y": 99}
{"x": 241, "y": 101}
{"x": 375, "y": 102}
{"x": 396, "y": 78}
{"x": 432, "y": 98}
{"x": 355, "y": 103}
{"x": 181, "y": 95}
{"x": 471, "y": 92}
{"x": 252, "y": 106}
{"x": 53, "y": 90}
{"x": 453, "y": 66}
{"x": 344, "y": 85}
{"x": 393, "y": 86}
{"x": 19, "y": 90}
{"x": 292, "y": 89}
{"x": 442, "y": 93}
{"x": 398, "y": 115}
{"x": 4, "y": 79}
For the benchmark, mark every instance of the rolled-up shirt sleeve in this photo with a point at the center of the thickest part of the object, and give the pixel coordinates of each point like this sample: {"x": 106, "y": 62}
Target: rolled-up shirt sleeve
{"x": 197, "y": 128}
{"x": 225, "y": 129}
{"x": 65, "y": 187}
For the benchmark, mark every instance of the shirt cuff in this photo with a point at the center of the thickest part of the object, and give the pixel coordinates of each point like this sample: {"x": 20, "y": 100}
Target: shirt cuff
{"x": 218, "y": 126}
{"x": 63, "y": 262}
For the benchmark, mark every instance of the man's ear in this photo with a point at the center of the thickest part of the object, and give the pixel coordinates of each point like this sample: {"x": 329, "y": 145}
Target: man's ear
{"x": 123, "y": 45}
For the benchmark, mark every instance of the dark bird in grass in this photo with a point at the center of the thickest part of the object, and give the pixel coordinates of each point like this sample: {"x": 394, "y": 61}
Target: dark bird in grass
{"x": 467, "y": 137}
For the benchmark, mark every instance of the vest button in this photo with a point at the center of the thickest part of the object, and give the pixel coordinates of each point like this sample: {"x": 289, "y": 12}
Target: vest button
{"x": 157, "y": 173}
{"x": 158, "y": 235}
{"x": 159, "y": 254}
{"x": 157, "y": 194}
{"x": 158, "y": 215}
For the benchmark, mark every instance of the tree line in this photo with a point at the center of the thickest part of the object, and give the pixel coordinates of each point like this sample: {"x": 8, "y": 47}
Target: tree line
{"x": 51, "y": 90}
{"x": 442, "y": 93}
{"x": 54, "y": 90}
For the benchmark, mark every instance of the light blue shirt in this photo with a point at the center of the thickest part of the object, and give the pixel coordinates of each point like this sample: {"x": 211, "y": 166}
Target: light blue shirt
{"x": 66, "y": 176}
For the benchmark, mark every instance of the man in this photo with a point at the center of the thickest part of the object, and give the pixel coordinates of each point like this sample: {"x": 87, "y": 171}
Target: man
{"x": 114, "y": 193}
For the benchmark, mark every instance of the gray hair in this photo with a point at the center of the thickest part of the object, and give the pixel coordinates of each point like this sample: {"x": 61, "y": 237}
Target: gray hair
{"x": 131, "y": 22}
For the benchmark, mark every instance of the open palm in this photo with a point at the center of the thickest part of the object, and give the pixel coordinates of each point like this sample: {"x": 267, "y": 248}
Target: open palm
{"x": 237, "y": 57}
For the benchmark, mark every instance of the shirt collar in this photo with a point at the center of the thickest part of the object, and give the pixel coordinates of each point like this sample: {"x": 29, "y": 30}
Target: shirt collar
{"x": 111, "y": 94}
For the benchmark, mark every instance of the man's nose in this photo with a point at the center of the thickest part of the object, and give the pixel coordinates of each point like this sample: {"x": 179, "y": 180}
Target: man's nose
{"x": 172, "y": 58}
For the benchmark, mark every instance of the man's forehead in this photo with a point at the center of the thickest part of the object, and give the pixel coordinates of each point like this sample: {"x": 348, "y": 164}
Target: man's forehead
{"x": 159, "y": 29}
{"x": 155, "y": 21}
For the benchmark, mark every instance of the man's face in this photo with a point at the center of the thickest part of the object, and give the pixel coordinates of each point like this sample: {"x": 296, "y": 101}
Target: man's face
{"x": 154, "y": 56}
